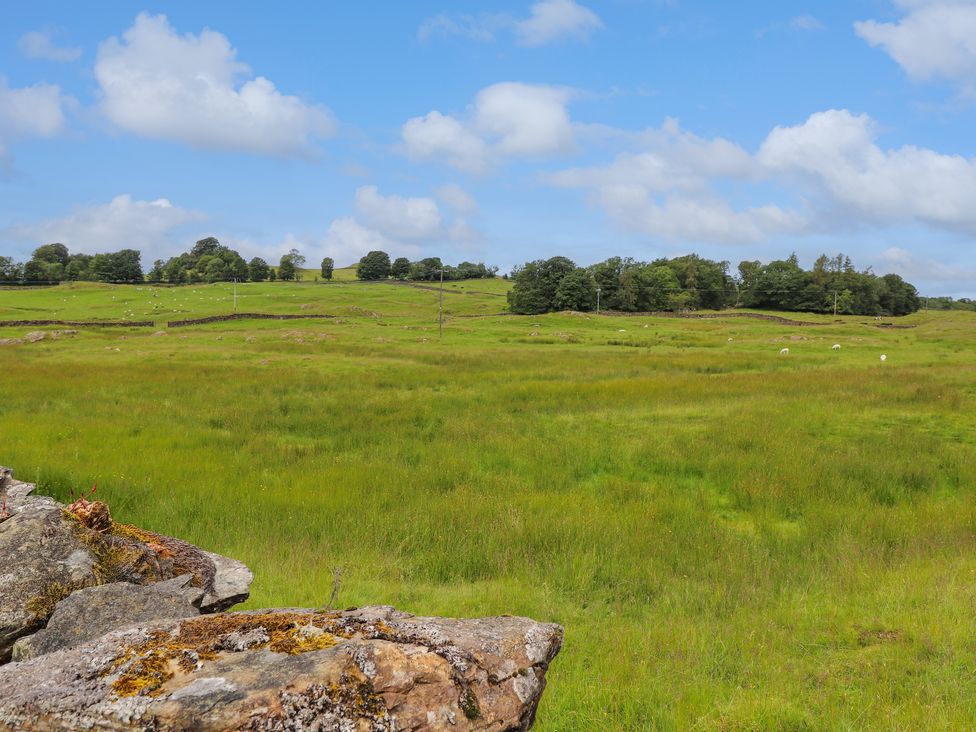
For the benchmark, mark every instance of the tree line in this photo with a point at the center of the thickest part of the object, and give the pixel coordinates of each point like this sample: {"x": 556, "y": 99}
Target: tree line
{"x": 377, "y": 266}
{"x": 54, "y": 263}
{"x": 691, "y": 282}
{"x": 207, "y": 261}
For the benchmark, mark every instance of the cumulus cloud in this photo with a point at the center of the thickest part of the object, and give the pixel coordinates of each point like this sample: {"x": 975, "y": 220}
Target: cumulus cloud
{"x": 666, "y": 189}
{"x": 556, "y": 20}
{"x": 437, "y": 135}
{"x": 830, "y": 169}
{"x": 940, "y": 276}
{"x": 836, "y": 154}
{"x": 32, "y": 111}
{"x": 41, "y": 45}
{"x": 934, "y": 39}
{"x": 549, "y": 21}
{"x": 192, "y": 89}
{"x": 123, "y": 222}
{"x": 457, "y": 199}
{"x": 398, "y": 217}
{"x": 508, "y": 119}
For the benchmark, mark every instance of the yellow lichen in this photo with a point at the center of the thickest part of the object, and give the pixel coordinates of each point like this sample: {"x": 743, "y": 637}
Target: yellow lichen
{"x": 143, "y": 669}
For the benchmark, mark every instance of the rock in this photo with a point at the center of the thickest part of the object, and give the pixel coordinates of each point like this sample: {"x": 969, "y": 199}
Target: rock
{"x": 367, "y": 669}
{"x": 34, "y": 336}
{"x": 94, "y": 611}
{"x": 42, "y": 561}
{"x": 11, "y": 341}
{"x": 48, "y": 551}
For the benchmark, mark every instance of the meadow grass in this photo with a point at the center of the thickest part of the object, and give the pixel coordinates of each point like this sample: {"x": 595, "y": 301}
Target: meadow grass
{"x": 733, "y": 539}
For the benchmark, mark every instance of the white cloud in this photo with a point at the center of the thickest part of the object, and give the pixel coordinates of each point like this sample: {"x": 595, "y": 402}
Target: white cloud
{"x": 41, "y": 45}
{"x": 32, "y": 111}
{"x": 191, "y": 89}
{"x": 121, "y": 223}
{"x": 398, "y": 217}
{"x": 438, "y": 135}
{"x": 549, "y": 21}
{"x": 457, "y": 199}
{"x": 508, "y": 119}
{"x": 836, "y": 155}
{"x": 555, "y": 20}
{"x": 935, "y": 39}
{"x": 906, "y": 264}
{"x": 831, "y": 165}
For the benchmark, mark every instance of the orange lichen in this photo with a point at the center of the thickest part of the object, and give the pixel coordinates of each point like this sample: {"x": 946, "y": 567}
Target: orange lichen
{"x": 145, "y": 667}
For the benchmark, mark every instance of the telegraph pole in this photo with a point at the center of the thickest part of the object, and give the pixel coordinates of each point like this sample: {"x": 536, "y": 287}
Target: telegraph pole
{"x": 440, "y": 309}
{"x": 235, "y": 294}
{"x": 835, "y": 303}
{"x": 598, "y": 301}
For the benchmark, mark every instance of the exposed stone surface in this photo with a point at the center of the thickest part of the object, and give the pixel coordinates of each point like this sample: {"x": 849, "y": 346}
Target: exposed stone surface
{"x": 368, "y": 669}
{"x": 48, "y": 550}
{"x": 92, "y": 612}
{"x": 126, "y": 648}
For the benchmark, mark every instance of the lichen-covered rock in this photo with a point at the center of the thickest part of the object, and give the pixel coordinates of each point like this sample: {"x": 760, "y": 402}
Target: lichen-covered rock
{"x": 94, "y": 611}
{"x": 48, "y": 551}
{"x": 368, "y": 669}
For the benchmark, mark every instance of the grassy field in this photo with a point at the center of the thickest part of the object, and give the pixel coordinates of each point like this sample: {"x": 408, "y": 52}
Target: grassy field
{"x": 734, "y": 539}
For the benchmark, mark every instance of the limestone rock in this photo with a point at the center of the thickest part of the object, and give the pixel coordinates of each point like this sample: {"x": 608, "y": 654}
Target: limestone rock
{"x": 92, "y": 612}
{"x": 368, "y": 669}
{"x": 48, "y": 550}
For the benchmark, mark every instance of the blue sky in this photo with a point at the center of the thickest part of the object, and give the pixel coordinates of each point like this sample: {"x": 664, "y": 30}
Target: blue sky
{"x": 500, "y": 131}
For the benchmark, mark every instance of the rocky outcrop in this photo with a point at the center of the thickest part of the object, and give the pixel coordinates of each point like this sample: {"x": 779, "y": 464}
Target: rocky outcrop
{"x": 367, "y": 669}
{"x": 49, "y": 550}
{"x": 105, "y": 626}
{"x": 90, "y": 613}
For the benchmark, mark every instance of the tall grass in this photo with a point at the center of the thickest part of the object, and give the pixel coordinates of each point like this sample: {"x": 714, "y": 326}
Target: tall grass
{"x": 733, "y": 539}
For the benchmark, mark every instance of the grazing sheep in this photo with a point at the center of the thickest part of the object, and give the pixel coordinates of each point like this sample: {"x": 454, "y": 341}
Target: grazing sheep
{"x": 784, "y": 352}
{"x": 730, "y": 340}
{"x": 835, "y": 347}
{"x": 883, "y": 358}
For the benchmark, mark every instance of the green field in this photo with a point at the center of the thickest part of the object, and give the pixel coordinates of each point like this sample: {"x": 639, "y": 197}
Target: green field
{"x": 734, "y": 539}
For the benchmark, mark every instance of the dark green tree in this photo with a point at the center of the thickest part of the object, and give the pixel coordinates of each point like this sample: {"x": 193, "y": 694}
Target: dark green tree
{"x": 328, "y": 266}
{"x": 258, "y": 270}
{"x": 400, "y": 269}
{"x": 374, "y": 266}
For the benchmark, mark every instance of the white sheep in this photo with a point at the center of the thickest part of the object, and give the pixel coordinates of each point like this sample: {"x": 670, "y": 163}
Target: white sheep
{"x": 784, "y": 352}
{"x": 730, "y": 340}
{"x": 835, "y": 347}
{"x": 883, "y": 358}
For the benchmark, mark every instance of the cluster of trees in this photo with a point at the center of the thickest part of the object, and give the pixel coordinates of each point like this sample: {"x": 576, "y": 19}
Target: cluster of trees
{"x": 54, "y": 263}
{"x": 682, "y": 283}
{"x": 832, "y": 284}
{"x": 948, "y": 303}
{"x": 377, "y": 266}
{"x": 211, "y": 261}
{"x": 692, "y": 282}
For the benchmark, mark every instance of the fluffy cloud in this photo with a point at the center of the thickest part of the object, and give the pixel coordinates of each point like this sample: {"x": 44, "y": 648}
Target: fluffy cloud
{"x": 831, "y": 165}
{"x": 457, "y": 199}
{"x": 397, "y": 217}
{"x": 935, "y": 39}
{"x": 123, "y": 222}
{"x": 191, "y": 88}
{"x": 507, "y": 119}
{"x": 437, "y": 135}
{"x": 549, "y": 21}
{"x": 32, "y": 111}
{"x": 665, "y": 189}
{"x": 41, "y": 45}
{"x": 555, "y": 20}
{"x": 836, "y": 155}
